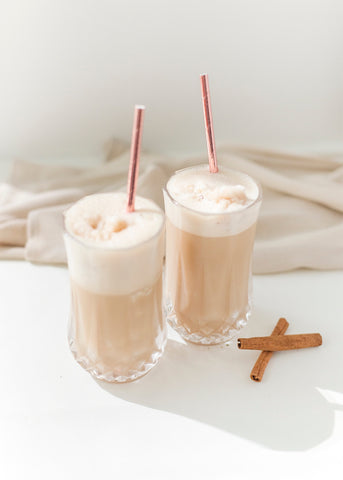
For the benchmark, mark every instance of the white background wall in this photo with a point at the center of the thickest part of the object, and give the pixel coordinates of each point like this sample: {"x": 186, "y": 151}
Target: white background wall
{"x": 71, "y": 71}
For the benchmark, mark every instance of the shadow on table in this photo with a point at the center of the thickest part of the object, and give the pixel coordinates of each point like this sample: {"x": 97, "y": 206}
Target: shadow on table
{"x": 286, "y": 411}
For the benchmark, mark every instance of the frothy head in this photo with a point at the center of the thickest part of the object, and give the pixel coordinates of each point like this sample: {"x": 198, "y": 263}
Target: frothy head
{"x": 212, "y": 204}
{"x": 224, "y": 191}
{"x": 111, "y": 251}
{"x": 102, "y": 220}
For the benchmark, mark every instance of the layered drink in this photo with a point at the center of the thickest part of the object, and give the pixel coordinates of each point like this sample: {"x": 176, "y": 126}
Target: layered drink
{"x": 211, "y": 222}
{"x": 117, "y": 330}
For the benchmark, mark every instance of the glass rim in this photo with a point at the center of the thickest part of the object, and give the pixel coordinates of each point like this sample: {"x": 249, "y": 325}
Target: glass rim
{"x": 257, "y": 200}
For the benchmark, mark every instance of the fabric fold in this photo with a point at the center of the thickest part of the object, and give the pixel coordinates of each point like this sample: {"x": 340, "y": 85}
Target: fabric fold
{"x": 300, "y": 225}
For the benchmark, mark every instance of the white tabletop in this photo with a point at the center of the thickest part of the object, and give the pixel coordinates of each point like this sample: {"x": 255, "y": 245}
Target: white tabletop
{"x": 196, "y": 415}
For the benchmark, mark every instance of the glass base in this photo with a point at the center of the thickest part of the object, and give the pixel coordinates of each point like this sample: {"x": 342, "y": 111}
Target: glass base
{"x": 98, "y": 371}
{"x": 227, "y": 333}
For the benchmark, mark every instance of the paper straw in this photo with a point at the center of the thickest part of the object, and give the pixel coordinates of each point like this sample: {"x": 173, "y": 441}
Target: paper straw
{"x": 134, "y": 156}
{"x": 206, "y": 102}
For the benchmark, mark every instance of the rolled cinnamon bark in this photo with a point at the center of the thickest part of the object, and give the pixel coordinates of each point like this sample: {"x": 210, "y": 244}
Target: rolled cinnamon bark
{"x": 281, "y": 342}
{"x": 261, "y": 363}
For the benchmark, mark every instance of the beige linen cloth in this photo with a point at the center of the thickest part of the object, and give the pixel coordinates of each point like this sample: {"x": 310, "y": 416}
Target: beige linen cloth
{"x": 300, "y": 225}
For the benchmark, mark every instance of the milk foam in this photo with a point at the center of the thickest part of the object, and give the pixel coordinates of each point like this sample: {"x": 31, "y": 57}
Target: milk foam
{"x": 102, "y": 220}
{"x": 224, "y": 191}
{"x": 110, "y": 251}
{"x": 212, "y": 204}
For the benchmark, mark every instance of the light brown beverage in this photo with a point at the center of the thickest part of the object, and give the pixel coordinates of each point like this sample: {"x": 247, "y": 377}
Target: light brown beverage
{"x": 209, "y": 253}
{"x": 115, "y": 259}
{"x": 110, "y": 338}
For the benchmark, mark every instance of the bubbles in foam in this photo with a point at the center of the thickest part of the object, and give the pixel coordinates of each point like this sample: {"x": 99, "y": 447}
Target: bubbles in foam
{"x": 130, "y": 245}
{"x": 225, "y": 191}
{"x": 212, "y": 204}
{"x": 102, "y": 220}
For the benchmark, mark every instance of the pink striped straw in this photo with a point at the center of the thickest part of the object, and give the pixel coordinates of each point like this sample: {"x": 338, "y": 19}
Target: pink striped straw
{"x": 134, "y": 157}
{"x": 206, "y": 102}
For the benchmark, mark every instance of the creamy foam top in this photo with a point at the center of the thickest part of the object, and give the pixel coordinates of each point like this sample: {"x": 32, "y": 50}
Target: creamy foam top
{"x": 113, "y": 269}
{"x": 102, "y": 220}
{"x": 224, "y": 191}
{"x": 217, "y": 204}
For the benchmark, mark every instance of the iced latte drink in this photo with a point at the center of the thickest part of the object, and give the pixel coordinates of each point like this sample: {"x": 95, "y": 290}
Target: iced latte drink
{"x": 211, "y": 221}
{"x": 117, "y": 331}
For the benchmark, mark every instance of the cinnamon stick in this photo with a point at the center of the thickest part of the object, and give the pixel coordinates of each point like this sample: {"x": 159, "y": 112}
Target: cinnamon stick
{"x": 281, "y": 342}
{"x": 263, "y": 359}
